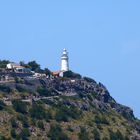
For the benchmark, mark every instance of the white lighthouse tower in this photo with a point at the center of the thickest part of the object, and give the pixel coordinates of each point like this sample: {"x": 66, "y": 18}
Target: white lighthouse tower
{"x": 64, "y": 61}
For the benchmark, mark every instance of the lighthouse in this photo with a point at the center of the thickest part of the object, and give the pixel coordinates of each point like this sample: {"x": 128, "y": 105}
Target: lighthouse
{"x": 64, "y": 61}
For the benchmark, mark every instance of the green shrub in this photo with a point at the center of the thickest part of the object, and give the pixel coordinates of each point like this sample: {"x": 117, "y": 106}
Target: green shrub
{"x": 38, "y": 111}
{"x": 116, "y": 135}
{"x": 81, "y": 94}
{"x": 13, "y": 133}
{"x": 4, "y": 138}
{"x": 20, "y": 88}
{"x": 70, "y": 129}
{"x": 33, "y": 121}
{"x": 47, "y": 71}
{"x": 105, "y": 138}
{"x": 101, "y": 119}
{"x": 96, "y": 134}
{"x": 56, "y": 133}
{"x": 2, "y": 105}
{"x": 40, "y": 125}
{"x": 70, "y": 74}
{"x": 61, "y": 116}
{"x": 43, "y": 91}
{"x": 5, "y": 88}
{"x": 119, "y": 135}
{"x": 90, "y": 97}
{"x": 18, "y": 137}
{"x": 65, "y": 113}
{"x": 18, "y": 80}
{"x": 48, "y": 115}
{"x": 34, "y": 66}
{"x": 20, "y": 106}
{"x": 24, "y": 120}
{"x": 25, "y": 134}
{"x": 96, "y": 96}
{"x": 3, "y": 63}
{"x": 13, "y": 123}
{"x": 83, "y": 135}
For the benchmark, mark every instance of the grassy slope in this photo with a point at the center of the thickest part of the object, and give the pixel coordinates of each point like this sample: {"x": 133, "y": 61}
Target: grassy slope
{"x": 88, "y": 119}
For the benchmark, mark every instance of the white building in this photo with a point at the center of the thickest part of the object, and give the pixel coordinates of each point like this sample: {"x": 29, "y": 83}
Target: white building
{"x": 64, "y": 61}
{"x": 17, "y": 68}
{"x": 11, "y": 66}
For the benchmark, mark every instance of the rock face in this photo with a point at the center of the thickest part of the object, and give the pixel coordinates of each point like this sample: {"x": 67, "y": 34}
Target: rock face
{"x": 80, "y": 87}
{"x": 83, "y": 93}
{"x": 87, "y": 86}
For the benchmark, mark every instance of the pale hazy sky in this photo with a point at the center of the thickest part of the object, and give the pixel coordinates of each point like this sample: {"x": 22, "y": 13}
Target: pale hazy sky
{"x": 102, "y": 37}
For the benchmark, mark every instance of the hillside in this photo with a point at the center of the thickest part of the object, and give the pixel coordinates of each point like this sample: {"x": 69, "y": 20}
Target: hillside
{"x": 68, "y": 108}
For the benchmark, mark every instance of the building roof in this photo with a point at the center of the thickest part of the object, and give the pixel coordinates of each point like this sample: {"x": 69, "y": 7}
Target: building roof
{"x": 56, "y": 72}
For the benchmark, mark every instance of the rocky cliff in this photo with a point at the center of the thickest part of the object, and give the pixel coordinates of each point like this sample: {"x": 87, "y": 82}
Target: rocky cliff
{"x": 76, "y": 108}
